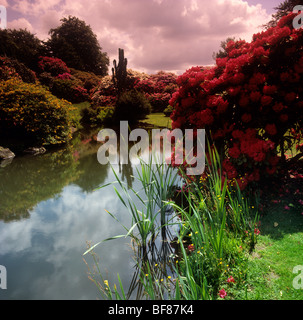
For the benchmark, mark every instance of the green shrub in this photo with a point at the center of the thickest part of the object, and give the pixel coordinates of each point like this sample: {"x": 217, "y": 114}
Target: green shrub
{"x": 89, "y": 80}
{"x": 132, "y": 106}
{"x": 32, "y": 112}
{"x": 168, "y": 110}
{"x": 96, "y": 115}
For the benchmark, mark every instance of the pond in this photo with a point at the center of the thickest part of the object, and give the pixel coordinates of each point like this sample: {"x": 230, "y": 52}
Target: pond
{"x": 50, "y": 206}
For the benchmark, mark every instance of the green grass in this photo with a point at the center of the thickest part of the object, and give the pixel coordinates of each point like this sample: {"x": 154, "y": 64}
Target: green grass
{"x": 279, "y": 250}
{"x": 158, "y": 120}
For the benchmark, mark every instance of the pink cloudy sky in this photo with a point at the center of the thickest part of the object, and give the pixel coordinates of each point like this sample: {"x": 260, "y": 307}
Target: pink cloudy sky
{"x": 170, "y": 35}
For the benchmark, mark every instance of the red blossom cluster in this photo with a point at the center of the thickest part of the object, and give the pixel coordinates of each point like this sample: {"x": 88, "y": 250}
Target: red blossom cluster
{"x": 54, "y": 66}
{"x": 158, "y": 89}
{"x": 248, "y": 101}
{"x": 64, "y": 76}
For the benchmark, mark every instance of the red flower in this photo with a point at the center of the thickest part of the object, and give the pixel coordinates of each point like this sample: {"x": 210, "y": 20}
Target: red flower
{"x": 271, "y": 129}
{"x": 246, "y": 117}
{"x": 222, "y": 293}
{"x": 244, "y": 101}
{"x": 266, "y": 100}
{"x": 255, "y": 96}
{"x": 188, "y": 102}
{"x": 191, "y": 248}
{"x": 234, "y": 152}
{"x": 278, "y": 107}
{"x": 269, "y": 90}
{"x": 283, "y": 117}
{"x": 231, "y": 279}
{"x": 256, "y": 231}
{"x": 289, "y": 97}
{"x": 206, "y": 117}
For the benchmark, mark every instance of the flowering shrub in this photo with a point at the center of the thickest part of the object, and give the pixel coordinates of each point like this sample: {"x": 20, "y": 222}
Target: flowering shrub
{"x": 64, "y": 76}
{"x": 10, "y": 68}
{"x": 69, "y": 90}
{"x": 158, "y": 89}
{"x": 54, "y": 66}
{"x": 250, "y": 103}
{"x": 30, "y": 111}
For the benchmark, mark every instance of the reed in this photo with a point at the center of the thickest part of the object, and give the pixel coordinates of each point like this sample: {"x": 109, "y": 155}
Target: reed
{"x": 215, "y": 223}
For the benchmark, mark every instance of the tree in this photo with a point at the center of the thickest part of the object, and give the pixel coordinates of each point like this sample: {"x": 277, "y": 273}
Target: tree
{"x": 222, "y": 52}
{"x": 21, "y": 45}
{"x": 283, "y": 9}
{"x": 75, "y": 43}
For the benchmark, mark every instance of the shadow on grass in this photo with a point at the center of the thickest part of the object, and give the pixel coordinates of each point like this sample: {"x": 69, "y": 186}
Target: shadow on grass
{"x": 277, "y": 222}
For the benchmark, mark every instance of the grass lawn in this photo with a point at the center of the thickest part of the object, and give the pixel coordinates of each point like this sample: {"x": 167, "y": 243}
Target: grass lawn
{"x": 278, "y": 251}
{"x": 158, "y": 120}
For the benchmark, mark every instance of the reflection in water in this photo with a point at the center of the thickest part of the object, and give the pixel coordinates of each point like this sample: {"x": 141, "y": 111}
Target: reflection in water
{"x": 50, "y": 206}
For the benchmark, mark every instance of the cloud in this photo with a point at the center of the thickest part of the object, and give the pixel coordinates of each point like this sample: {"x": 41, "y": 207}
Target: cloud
{"x": 21, "y": 23}
{"x": 156, "y": 34}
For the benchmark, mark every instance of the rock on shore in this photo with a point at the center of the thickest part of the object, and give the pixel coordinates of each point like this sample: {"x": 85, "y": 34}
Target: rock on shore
{"x": 6, "y": 153}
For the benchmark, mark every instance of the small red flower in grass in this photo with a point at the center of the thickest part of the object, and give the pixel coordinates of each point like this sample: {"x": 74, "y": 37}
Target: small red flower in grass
{"x": 257, "y": 231}
{"x": 191, "y": 248}
{"x": 222, "y": 293}
{"x": 231, "y": 279}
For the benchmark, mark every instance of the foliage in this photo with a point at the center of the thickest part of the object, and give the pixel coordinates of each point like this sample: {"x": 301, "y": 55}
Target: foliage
{"x": 131, "y": 106}
{"x": 105, "y": 94}
{"x": 250, "y": 102}
{"x": 69, "y": 90}
{"x": 97, "y": 115}
{"x": 283, "y": 9}
{"x": 216, "y": 229}
{"x": 168, "y": 110}
{"x": 10, "y": 68}
{"x": 89, "y": 80}
{"x": 158, "y": 89}
{"x": 30, "y": 111}
{"x": 75, "y": 43}
{"x": 22, "y": 46}
{"x": 54, "y": 66}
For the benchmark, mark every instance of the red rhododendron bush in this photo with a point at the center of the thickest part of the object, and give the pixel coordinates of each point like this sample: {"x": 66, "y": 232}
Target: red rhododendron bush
{"x": 250, "y": 103}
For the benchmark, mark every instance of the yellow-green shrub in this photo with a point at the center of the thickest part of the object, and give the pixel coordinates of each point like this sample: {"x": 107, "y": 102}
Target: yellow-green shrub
{"x": 31, "y": 111}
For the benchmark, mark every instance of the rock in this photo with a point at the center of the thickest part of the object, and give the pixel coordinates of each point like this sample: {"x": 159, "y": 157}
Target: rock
{"x": 5, "y": 153}
{"x": 5, "y": 163}
{"x": 35, "y": 151}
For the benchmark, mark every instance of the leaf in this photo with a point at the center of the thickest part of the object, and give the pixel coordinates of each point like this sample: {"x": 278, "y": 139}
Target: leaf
{"x": 91, "y": 248}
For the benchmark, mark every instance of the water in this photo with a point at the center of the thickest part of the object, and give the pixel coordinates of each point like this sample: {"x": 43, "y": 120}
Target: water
{"x": 49, "y": 209}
